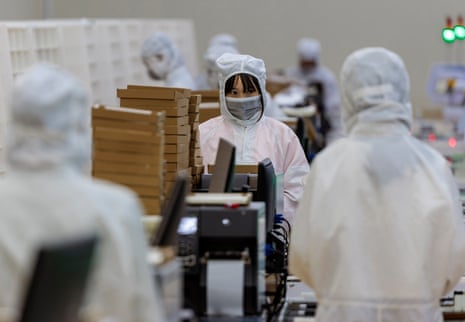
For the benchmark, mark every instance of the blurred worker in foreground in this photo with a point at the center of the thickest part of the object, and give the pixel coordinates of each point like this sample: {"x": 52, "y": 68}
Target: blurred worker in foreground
{"x": 46, "y": 196}
{"x": 164, "y": 62}
{"x": 379, "y": 233}
{"x": 311, "y": 73}
{"x": 256, "y": 136}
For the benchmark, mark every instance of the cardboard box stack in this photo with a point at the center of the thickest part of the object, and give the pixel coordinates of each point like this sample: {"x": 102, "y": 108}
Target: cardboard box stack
{"x": 195, "y": 158}
{"x": 175, "y": 103}
{"x": 129, "y": 148}
{"x": 208, "y": 96}
{"x": 210, "y": 106}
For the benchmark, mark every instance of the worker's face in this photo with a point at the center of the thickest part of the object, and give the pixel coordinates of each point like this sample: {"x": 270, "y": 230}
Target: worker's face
{"x": 243, "y": 103}
{"x": 238, "y": 90}
{"x": 157, "y": 66}
{"x": 307, "y": 65}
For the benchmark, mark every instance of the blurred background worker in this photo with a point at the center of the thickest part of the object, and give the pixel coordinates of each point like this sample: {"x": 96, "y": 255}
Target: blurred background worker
{"x": 242, "y": 122}
{"x": 321, "y": 86}
{"x": 46, "y": 196}
{"x": 379, "y": 233}
{"x": 224, "y": 39}
{"x": 209, "y": 79}
{"x": 164, "y": 62}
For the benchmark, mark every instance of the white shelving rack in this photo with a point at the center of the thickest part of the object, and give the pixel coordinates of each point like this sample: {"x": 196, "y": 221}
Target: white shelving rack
{"x": 132, "y": 39}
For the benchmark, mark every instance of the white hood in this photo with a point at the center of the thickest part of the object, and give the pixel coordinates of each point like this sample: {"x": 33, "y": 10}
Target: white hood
{"x": 233, "y": 64}
{"x": 160, "y": 42}
{"x": 49, "y": 121}
{"x": 375, "y": 88}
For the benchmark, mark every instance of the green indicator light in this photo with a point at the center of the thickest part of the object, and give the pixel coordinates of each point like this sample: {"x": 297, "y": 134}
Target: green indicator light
{"x": 459, "y": 31}
{"x": 448, "y": 35}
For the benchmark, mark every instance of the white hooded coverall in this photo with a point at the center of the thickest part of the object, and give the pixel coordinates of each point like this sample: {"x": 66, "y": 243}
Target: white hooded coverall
{"x": 379, "y": 233}
{"x": 255, "y": 141}
{"x": 45, "y": 196}
{"x": 310, "y": 49}
{"x": 172, "y": 68}
{"x": 209, "y": 79}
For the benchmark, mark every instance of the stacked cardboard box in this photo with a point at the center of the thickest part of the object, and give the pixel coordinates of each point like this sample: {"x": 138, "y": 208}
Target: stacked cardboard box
{"x": 175, "y": 103}
{"x": 210, "y": 106}
{"x": 208, "y": 96}
{"x": 129, "y": 149}
{"x": 195, "y": 158}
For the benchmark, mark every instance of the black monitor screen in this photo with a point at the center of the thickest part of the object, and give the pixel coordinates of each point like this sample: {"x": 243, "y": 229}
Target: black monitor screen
{"x": 173, "y": 209}
{"x": 266, "y": 190}
{"x": 58, "y": 281}
{"x": 223, "y": 174}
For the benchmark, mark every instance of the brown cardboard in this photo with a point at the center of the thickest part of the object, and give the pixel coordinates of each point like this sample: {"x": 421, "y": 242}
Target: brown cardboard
{"x": 176, "y": 157}
{"x": 209, "y": 112}
{"x": 173, "y": 167}
{"x": 176, "y": 148}
{"x": 176, "y": 139}
{"x": 194, "y": 117}
{"x": 126, "y": 157}
{"x": 130, "y": 179}
{"x": 155, "y": 92}
{"x": 239, "y": 168}
{"x": 135, "y": 147}
{"x": 177, "y": 121}
{"x": 121, "y": 113}
{"x": 150, "y": 191}
{"x": 120, "y": 124}
{"x": 147, "y": 102}
{"x": 208, "y": 95}
{"x": 177, "y": 130}
{"x": 99, "y": 166}
{"x": 195, "y": 99}
{"x": 170, "y": 111}
{"x": 127, "y": 136}
{"x": 152, "y": 206}
{"x": 194, "y": 108}
{"x": 180, "y": 164}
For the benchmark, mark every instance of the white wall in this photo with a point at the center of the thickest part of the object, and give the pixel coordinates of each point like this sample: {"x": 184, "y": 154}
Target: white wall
{"x": 21, "y": 9}
{"x": 270, "y": 28}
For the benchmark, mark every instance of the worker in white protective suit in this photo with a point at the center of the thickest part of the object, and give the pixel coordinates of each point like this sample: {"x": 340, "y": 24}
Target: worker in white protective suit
{"x": 46, "y": 196}
{"x": 379, "y": 233}
{"x": 310, "y": 72}
{"x": 255, "y": 136}
{"x": 209, "y": 79}
{"x": 164, "y": 62}
{"x": 223, "y": 39}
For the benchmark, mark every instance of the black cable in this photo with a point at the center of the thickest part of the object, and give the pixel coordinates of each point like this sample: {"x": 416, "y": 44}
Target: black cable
{"x": 288, "y": 224}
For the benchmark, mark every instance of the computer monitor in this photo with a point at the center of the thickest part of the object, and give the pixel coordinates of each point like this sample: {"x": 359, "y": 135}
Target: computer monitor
{"x": 173, "y": 209}
{"x": 58, "y": 282}
{"x": 266, "y": 190}
{"x": 222, "y": 178}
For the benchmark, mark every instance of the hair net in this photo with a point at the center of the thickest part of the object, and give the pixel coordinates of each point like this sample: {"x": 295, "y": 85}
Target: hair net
{"x": 309, "y": 49}
{"x": 232, "y": 64}
{"x": 375, "y": 78}
{"x": 223, "y": 39}
{"x": 215, "y": 51}
{"x": 161, "y": 43}
{"x": 211, "y": 55}
{"x": 49, "y": 120}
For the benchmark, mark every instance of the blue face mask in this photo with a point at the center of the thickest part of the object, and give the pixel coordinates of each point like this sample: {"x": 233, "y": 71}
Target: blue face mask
{"x": 244, "y": 108}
